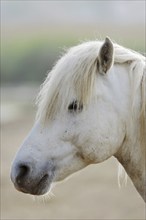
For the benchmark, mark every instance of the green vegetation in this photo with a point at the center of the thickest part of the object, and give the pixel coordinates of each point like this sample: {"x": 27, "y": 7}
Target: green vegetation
{"x": 29, "y": 59}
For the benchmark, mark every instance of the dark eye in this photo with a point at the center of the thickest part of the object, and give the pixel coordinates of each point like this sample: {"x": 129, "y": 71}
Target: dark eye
{"x": 75, "y": 106}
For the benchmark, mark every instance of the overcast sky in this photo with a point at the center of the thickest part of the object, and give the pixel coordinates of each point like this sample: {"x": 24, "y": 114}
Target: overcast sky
{"x": 28, "y": 13}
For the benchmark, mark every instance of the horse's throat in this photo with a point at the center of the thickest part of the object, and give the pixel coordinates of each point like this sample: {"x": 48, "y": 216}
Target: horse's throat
{"x": 133, "y": 160}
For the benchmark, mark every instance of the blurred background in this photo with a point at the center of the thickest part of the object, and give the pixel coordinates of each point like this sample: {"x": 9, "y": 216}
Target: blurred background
{"x": 33, "y": 36}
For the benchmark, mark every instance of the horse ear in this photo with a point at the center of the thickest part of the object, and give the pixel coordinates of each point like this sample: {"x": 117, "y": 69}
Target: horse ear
{"x": 105, "y": 57}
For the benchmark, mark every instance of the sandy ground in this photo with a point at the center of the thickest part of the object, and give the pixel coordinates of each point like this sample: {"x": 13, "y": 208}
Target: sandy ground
{"x": 92, "y": 193}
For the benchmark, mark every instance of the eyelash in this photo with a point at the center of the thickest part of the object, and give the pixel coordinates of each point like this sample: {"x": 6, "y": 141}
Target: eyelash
{"x": 75, "y": 106}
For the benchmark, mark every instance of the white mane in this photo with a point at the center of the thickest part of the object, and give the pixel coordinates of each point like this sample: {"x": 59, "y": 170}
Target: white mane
{"x": 74, "y": 75}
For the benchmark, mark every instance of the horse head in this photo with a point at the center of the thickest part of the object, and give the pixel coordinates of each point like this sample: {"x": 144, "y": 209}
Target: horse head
{"x": 83, "y": 110}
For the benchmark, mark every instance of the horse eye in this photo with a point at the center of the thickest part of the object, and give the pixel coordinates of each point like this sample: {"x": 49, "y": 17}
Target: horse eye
{"x": 75, "y": 106}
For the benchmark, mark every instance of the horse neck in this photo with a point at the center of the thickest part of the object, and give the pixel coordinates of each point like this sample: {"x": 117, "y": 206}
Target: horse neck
{"x": 132, "y": 157}
{"x": 133, "y": 150}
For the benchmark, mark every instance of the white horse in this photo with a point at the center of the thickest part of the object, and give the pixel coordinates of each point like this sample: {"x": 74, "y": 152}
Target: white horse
{"x": 91, "y": 106}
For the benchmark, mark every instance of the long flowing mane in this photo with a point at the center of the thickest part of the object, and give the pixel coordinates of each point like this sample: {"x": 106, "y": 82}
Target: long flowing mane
{"x": 74, "y": 77}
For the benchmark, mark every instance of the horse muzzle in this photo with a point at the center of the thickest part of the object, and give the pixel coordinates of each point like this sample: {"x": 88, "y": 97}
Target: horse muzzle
{"x": 28, "y": 179}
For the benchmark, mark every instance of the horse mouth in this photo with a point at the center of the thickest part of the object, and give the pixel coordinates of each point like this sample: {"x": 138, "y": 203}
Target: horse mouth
{"x": 43, "y": 186}
{"x": 38, "y": 189}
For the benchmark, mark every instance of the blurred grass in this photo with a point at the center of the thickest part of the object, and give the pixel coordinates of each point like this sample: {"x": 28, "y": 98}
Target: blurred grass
{"x": 29, "y": 59}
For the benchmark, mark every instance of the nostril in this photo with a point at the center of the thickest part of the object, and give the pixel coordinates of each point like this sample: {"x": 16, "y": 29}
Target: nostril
{"x": 23, "y": 170}
{"x": 22, "y": 173}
